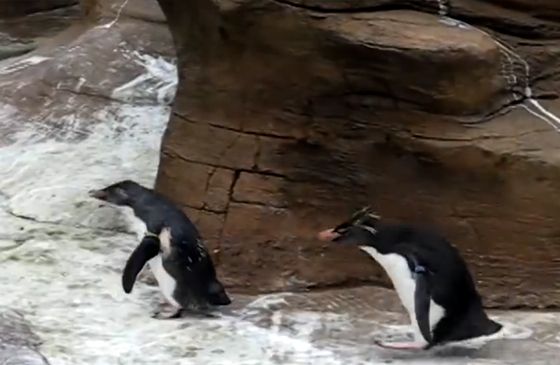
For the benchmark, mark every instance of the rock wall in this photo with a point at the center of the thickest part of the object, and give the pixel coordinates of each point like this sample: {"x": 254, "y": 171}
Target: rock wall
{"x": 291, "y": 114}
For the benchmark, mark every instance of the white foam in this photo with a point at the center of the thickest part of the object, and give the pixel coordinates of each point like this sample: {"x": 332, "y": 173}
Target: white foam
{"x": 158, "y": 82}
{"x": 48, "y": 180}
{"x": 18, "y": 64}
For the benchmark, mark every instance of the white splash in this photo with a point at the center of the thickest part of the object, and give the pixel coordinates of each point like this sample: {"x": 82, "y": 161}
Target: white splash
{"x": 269, "y": 301}
{"x": 125, "y": 144}
{"x": 158, "y": 82}
{"x": 20, "y": 64}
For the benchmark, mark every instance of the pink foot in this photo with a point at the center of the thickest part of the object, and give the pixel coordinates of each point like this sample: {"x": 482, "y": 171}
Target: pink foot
{"x": 327, "y": 235}
{"x": 402, "y": 345}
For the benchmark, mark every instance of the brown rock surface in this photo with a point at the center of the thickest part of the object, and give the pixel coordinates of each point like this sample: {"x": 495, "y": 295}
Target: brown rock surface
{"x": 290, "y": 114}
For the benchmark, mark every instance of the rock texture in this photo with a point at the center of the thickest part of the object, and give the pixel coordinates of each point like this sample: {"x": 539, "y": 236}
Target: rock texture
{"x": 23, "y": 23}
{"x": 15, "y": 8}
{"x": 290, "y": 114}
{"x": 84, "y": 69}
{"x": 18, "y": 344}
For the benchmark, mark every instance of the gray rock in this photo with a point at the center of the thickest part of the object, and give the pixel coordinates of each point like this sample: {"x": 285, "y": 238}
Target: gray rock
{"x": 18, "y": 344}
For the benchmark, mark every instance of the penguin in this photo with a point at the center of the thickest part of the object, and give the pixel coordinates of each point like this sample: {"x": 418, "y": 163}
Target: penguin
{"x": 172, "y": 247}
{"x": 430, "y": 277}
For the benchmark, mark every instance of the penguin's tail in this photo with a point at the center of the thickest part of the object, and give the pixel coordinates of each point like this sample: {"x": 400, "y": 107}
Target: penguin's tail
{"x": 216, "y": 294}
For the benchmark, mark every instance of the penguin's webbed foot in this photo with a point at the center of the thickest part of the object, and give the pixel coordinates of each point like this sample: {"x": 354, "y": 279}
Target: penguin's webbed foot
{"x": 169, "y": 315}
{"x": 402, "y": 345}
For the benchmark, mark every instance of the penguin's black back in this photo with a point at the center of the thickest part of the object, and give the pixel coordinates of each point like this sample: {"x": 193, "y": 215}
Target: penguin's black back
{"x": 190, "y": 263}
{"x": 451, "y": 283}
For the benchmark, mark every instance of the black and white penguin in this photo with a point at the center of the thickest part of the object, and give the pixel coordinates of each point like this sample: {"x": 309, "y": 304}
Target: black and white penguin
{"x": 172, "y": 247}
{"x": 429, "y": 275}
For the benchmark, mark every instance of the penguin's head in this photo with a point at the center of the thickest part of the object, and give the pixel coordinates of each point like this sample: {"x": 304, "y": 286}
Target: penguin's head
{"x": 358, "y": 230}
{"x": 121, "y": 193}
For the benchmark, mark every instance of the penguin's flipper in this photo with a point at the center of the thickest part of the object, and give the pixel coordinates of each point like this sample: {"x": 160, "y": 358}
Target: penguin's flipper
{"x": 422, "y": 301}
{"x": 146, "y": 250}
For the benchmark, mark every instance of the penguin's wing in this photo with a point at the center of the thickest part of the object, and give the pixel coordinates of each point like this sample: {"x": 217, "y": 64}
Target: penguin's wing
{"x": 422, "y": 297}
{"x": 146, "y": 250}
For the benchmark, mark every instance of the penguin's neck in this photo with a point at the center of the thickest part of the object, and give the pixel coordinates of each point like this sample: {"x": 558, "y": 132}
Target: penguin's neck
{"x": 135, "y": 224}
{"x": 138, "y": 208}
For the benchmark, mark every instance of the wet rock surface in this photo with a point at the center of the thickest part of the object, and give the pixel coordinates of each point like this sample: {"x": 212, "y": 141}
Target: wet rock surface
{"x": 291, "y": 114}
{"x": 18, "y": 344}
{"x": 15, "y": 8}
{"x": 359, "y": 316}
{"x": 24, "y": 33}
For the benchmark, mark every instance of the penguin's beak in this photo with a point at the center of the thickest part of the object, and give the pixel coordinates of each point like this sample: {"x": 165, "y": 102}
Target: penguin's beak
{"x": 98, "y": 194}
{"x": 327, "y": 235}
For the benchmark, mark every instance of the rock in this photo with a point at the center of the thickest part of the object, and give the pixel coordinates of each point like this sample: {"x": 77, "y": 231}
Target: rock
{"x": 290, "y": 115}
{"x": 84, "y": 68}
{"x": 14, "y": 8}
{"x": 31, "y": 23}
{"x": 18, "y": 344}
{"x": 10, "y": 47}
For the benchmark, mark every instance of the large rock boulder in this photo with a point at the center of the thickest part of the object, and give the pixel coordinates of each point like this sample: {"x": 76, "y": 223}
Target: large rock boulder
{"x": 290, "y": 114}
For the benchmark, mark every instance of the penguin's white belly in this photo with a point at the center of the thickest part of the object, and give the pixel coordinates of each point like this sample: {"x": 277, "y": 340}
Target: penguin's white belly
{"x": 398, "y": 271}
{"x": 165, "y": 281}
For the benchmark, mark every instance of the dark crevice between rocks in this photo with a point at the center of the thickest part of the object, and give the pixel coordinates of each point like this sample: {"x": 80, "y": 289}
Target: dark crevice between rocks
{"x": 546, "y": 96}
{"x": 204, "y": 208}
{"x": 517, "y": 29}
{"x": 207, "y": 186}
{"x": 507, "y": 107}
{"x": 17, "y": 49}
{"x": 236, "y": 175}
{"x": 242, "y": 131}
{"x": 257, "y": 154}
{"x": 325, "y": 8}
{"x": 501, "y": 110}
{"x": 170, "y": 154}
{"x": 38, "y": 11}
{"x": 523, "y": 31}
{"x": 469, "y": 140}
{"x": 519, "y": 99}
{"x": 258, "y": 203}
